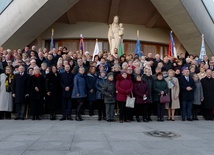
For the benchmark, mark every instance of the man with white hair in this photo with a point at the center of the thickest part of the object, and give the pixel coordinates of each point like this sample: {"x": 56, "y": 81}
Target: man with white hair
{"x": 19, "y": 92}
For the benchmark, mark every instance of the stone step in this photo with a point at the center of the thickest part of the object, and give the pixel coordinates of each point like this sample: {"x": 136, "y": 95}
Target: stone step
{"x": 95, "y": 117}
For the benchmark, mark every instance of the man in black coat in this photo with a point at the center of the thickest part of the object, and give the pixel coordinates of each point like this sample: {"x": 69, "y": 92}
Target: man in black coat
{"x": 19, "y": 92}
{"x": 187, "y": 86}
{"x": 208, "y": 103}
{"x": 40, "y": 59}
{"x": 67, "y": 86}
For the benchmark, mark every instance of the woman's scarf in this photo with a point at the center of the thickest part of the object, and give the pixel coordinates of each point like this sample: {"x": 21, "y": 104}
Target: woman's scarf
{"x": 8, "y": 82}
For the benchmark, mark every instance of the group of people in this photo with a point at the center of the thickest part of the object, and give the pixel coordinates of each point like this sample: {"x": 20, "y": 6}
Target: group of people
{"x": 32, "y": 79}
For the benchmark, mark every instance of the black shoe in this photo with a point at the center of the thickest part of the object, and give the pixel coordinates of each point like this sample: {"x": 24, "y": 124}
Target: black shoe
{"x": 138, "y": 120}
{"x": 78, "y": 119}
{"x": 22, "y": 118}
{"x": 196, "y": 119}
{"x": 33, "y": 118}
{"x": 70, "y": 118}
{"x": 108, "y": 120}
{"x": 38, "y": 118}
{"x": 158, "y": 119}
{"x": 145, "y": 120}
{"x": 149, "y": 119}
{"x": 17, "y": 118}
{"x": 183, "y": 119}
{"x": 189, "y": 119}
{"x": 162, "y": 119}
{"x": 91, "y": 114}
{"x": 99, "y": 119}
{"x": 113, "y": 120}
{"x": 104, "y": 118}
{"x": 62, "y": 119}
{"x": 53, "y": 118}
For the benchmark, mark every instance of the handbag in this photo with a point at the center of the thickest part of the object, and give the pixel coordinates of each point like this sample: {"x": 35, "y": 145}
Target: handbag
{"x": 130, "y": 101}
{"x": 164, "y": 99}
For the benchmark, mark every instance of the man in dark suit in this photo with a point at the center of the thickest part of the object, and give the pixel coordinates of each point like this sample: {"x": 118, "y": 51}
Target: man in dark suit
{"x": 187, "y": 86}
{"x": 40, "y": 59}
{"x": 67, "y": 86}
{"x": 19, "y": 92}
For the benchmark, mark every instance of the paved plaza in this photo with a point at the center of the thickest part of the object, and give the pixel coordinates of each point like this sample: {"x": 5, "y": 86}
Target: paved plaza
{"x": 91, "y": 137}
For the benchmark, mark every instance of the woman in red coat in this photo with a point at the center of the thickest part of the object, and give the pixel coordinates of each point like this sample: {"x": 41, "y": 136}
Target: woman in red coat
{"x": 124, "y": 87}
{"x": 141, "y": 92}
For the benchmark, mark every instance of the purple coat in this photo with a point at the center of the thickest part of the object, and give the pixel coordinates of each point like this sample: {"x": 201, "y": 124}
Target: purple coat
{"x": 140, "y": 88}
{"x": 123, "y": 87}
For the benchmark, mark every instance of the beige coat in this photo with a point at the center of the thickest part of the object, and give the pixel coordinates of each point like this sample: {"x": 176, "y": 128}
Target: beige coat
{"x": 174, "y": 94}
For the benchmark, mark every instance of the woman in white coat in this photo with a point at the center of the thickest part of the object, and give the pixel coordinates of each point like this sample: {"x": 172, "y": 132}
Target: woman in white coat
{"x": 6, "y": 100}
{"x": 174, "y": 90}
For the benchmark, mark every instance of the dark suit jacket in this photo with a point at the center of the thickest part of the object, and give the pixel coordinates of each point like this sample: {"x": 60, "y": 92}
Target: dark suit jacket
{"x": 186, "y": 95}
{"x": 19, "y": 87}
{"x": 39, "y": 61}
{"x": 67, "y": 81}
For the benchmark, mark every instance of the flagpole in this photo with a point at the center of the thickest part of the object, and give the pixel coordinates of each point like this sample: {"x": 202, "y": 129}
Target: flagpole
{"x": 52, "y": 43}
{"x": 138, "y": 34}
{"x": 52, "y": 32}
{"x": 96, "y": 49}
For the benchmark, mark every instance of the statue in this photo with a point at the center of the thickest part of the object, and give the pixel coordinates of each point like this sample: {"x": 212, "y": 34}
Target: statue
{"x": 115, "y": 35}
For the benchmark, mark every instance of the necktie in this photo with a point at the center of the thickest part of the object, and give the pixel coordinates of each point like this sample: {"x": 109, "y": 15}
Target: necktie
{"x": 187, "y": 78}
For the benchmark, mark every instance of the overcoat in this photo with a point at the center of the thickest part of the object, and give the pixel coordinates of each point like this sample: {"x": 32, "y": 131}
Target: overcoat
{"x": 19, "y": 87}
{"x": 208, "y": 85}
{"x": 66, "y": 80}
{"x": 6, "y": 100}
{"x": 186, "y": 95}
{"x": 175, "y": 90}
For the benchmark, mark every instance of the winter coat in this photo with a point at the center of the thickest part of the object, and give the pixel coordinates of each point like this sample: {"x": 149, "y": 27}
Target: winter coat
{"x": 139, "y": 90}
{"x": 36, "y": 82}
{"x": 52, "y": 85}
{"x": 149, "y": 81}
{"x": 186, "y": 95}
{"x": 66, "y": 80}
{"x": 198, "y": 93}
{"x": 19, "y": 87}
{"x": 175, "y": 90}
{"x": 123, "y": 87}
{"x": 208, "y": 85}
{"x": 159, "y": 85}
{"x": 90, "y": 84}
{"x": 79, "y": 86}
{"x": 109, "y": 91}
{"x": 6, "y": 100}
{"x": 99, "y": 84}
{"x": 168, "y": 66}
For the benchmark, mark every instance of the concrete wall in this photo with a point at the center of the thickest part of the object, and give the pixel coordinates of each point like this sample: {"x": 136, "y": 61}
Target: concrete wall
{"x": 11, "y": 21}
{"x": 25, "y": 20}
{"x": 100, "y": 30}
{"x": 202, "y": 20}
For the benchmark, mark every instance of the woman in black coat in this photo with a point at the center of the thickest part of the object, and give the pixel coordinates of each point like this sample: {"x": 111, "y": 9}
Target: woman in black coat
{"x": 99, "y": 96}
{"x": 36, "y": 91}
{"x": 149, "y": 81}
{"x": 52, "y": 87}
{"x": 141, "y": 91}
{"x": 91, "y": 89}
